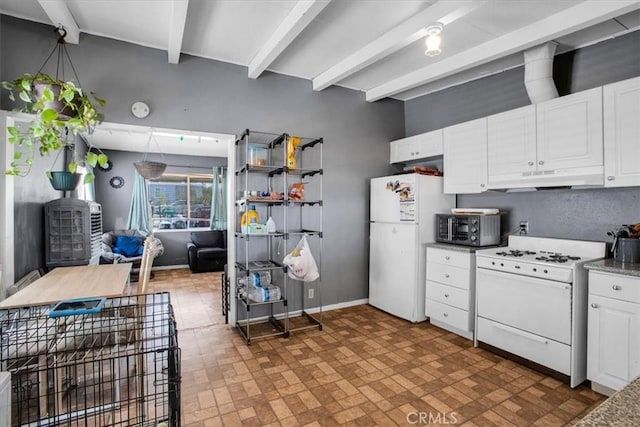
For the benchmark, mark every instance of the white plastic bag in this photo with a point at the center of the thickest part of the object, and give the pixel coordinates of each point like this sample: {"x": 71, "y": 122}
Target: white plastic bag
{"x": 300, "y": 262}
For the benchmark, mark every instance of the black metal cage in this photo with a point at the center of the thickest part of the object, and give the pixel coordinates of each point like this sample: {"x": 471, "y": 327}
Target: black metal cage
{"x": 119, "y": 366}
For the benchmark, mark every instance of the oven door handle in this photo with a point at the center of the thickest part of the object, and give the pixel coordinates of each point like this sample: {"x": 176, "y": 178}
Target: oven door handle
{"x": 513, "y": 331}
{"x": 450, "y": 229}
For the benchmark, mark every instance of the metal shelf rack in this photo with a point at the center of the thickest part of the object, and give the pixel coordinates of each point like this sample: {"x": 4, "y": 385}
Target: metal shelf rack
{"x": 257, "y": 180}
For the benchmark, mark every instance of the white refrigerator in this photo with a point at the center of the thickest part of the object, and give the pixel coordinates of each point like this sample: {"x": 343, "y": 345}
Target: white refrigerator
{"x": 402, "y": 222}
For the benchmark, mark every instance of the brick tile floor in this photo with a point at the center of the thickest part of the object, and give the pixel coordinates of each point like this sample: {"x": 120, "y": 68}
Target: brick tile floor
{"x": 365, "y": 368}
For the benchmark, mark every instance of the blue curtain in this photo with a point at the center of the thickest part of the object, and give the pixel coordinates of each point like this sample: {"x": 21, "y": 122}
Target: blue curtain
{"x": 219, "y": 199}
{"x": 139, "y": 209}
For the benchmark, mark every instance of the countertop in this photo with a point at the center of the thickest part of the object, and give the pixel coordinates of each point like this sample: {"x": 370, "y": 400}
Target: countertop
{"x": 609, "y": 265}
{"x": 456, "y": 248}
{"x": 621, "y": 409}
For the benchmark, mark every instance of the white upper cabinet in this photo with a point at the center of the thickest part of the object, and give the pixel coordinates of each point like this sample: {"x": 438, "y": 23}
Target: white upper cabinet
{"x": 465, "y": 157}
{"x": 570, "y": 131}
{"x": 416, "y": 147}
{"x": 511, "y": 145}
{"x": 556, "y": 142}
{"x": 622, "y": 133}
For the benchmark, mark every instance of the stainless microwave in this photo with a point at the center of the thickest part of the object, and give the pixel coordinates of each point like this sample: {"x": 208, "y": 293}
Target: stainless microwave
{"x": 469, "y": 230}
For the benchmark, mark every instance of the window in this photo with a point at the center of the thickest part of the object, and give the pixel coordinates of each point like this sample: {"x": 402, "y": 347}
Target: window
{"x": 181, "y": 201}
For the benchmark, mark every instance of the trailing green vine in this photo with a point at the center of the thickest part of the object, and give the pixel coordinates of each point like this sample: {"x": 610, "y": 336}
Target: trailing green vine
{"x": 58, "y": 107}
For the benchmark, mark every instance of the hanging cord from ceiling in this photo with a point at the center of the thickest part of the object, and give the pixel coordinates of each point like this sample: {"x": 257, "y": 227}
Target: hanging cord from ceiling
{"x": 62, "y": 53}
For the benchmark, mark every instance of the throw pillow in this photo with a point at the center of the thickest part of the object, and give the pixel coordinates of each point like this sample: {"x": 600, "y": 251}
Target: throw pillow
{"x": 129, "y": 246}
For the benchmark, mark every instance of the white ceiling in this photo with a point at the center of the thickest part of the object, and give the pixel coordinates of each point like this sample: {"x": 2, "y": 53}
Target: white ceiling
{"x": 373, "y": 46}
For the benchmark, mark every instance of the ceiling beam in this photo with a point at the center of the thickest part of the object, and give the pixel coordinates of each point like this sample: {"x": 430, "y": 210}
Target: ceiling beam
{"x": 60, "y": 15}
{"x": 409, "y": 31}
{"x": 570, "y": 20}
{"x": 176, "y": 29}
{"x": 296, "y": 21}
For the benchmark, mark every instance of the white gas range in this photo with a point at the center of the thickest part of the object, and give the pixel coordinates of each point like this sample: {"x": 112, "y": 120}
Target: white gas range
{"x": 532, "y": 301}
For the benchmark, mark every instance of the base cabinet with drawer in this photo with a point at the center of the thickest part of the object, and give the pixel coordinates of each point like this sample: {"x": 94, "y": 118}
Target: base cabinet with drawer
{"x": 613, "y": 339}
{"x": 450, "y": 290}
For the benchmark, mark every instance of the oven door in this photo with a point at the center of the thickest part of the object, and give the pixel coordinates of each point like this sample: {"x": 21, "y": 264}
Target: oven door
{"x": 453, "y": 229}
{"x": 538, "y": 306}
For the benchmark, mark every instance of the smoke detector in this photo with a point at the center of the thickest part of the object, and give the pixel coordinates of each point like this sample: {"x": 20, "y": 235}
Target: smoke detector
{"x": 140, "y": 109}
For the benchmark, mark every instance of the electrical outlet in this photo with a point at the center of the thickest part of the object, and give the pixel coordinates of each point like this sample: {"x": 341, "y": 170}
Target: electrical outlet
{"x": 312, "y": 293}
{"x": 524, "y": 227}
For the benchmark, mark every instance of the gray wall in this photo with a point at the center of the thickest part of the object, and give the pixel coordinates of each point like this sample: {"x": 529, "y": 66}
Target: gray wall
{"x": 30, "y": 194}
{"x": 577, "y": 214}
{"x": 116, "y": 201}
{"x": 206, "y": 95}
{"x": 582, "y": 69}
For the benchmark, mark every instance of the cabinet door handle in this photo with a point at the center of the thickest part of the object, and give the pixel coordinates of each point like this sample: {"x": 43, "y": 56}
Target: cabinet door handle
{"x": 611, "y": 178}
{"x": 616, "y": 287}
{"x": 446, "y": 275}
{"x": 530, "y": 163}
{"x": 594, "y": 305}
{"x": 482, "y": 185}
{"x": 541, "y": 162}
{"x": 446, "y": 315}
{"x": 446, "y": 295}
{"x": 417, "y": 152}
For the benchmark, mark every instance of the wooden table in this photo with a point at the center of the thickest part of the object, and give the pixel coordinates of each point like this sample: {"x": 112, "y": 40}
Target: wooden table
{"x": 107, "y": 280}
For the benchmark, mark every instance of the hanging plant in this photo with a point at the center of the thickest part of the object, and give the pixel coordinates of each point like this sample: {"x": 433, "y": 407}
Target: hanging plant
{"x": 58, "y": 107}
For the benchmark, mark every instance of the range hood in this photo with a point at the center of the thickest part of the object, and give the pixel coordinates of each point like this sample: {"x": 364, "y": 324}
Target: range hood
{"x": 584, "y": 176}
{"x": 538, "y": 80}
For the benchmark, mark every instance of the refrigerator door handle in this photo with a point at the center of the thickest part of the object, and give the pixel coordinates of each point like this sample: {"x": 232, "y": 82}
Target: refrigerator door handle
{"x": 449, "y": 229}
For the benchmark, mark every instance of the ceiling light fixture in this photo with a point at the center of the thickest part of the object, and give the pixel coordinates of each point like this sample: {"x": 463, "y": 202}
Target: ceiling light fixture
{"x": 433, "y": 39}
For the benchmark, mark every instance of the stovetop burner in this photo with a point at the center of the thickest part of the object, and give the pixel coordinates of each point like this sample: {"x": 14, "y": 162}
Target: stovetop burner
{"x": 556, "y": 257}
{"x": 515, "y": 253}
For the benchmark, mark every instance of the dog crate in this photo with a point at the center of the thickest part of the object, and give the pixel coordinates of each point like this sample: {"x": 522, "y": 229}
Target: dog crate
{"x": 73, "y": 232}
{"x": 117, "y": 367}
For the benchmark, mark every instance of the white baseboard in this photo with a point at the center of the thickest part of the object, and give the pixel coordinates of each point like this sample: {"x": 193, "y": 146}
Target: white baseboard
{"x": 313, "y": 310}
{"x": 340, "y": 305}
{"x": 169, "y": 267}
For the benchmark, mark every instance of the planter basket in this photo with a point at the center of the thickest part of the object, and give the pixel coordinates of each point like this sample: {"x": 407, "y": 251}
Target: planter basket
{"x": 64, "y": 181}
{"x": 150, "y": 170}
{"x": 64, "y": 112}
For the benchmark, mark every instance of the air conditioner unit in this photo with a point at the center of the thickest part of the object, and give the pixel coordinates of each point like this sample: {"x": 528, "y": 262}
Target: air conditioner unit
{"x": 73, "y": 232}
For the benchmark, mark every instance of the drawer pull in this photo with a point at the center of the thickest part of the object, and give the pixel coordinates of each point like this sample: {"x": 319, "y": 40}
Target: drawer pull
{"x": 594, "y": 305}
{"x": 446, "y": 275}
{"x": 616, "y": 287}
{"x": 446, "y": 295}
{"x": 447, "y": 258}
{"x": 446, "y": 315}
